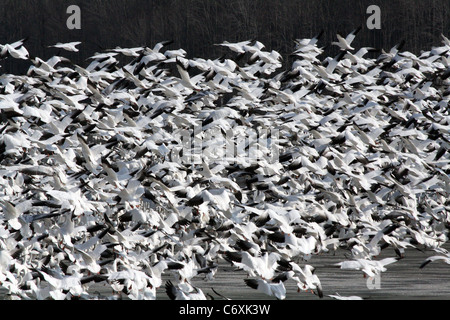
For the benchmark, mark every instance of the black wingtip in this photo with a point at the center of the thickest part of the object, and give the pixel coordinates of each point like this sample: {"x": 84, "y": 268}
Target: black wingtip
{"x": 320, "y": 34}
{"x": 232, "y": 256}
{"x": 341, "y": 54}
{"x": 167, "y": 42}
{"x": 252, "y": 283}
{"x": 424, "y": 263}
{"x": 178, "y": 61}
{"x": 195, "y": 201}
{"x": 172, "y": 265}
{"x": 320, "y": 293}
{"x": 400, "y": 45}
{"x": 170, "y": 290}
{"x": 25, "y": 39}
{"x": 357, "y": 30}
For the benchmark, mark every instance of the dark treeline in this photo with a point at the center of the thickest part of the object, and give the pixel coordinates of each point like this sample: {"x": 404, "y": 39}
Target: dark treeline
{"x": 195, "y": 25}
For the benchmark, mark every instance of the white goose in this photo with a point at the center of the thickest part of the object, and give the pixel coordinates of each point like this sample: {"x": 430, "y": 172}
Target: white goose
{"x": 344, "y": 43}
{"x": 69, "y": 46}
{"x": 271, "y": 289}
{"x": 371, "y": 268}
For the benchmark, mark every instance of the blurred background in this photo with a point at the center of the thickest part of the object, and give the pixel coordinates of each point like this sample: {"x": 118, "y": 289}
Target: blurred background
{"x": 195, "y": 25}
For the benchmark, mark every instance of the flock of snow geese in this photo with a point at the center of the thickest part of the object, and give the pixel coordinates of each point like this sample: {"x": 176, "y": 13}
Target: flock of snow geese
{"x": 93, "y": 190}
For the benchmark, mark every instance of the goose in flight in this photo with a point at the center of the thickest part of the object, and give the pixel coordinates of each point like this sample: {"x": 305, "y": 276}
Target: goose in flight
{"x": 345, "y": 43}
{"x": 131, "y": 52}
{"x": 13, "y": 212}
{"x": 301, "y": 44}
{"x": 370, "y": 267}
{"x": 183, "y": 291}
{"x": 15, "y": 50}
{"x": 446, "y": 259}
{"x": 69, "y": 46}
{"x": 20, "y": 53}
{"x": 309, "y": 280}
{"x": 276, "y": 290}
{"x": 185, "y": 77}
{"x": 239, "y": 47}
{"x": 161, "y": 45}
